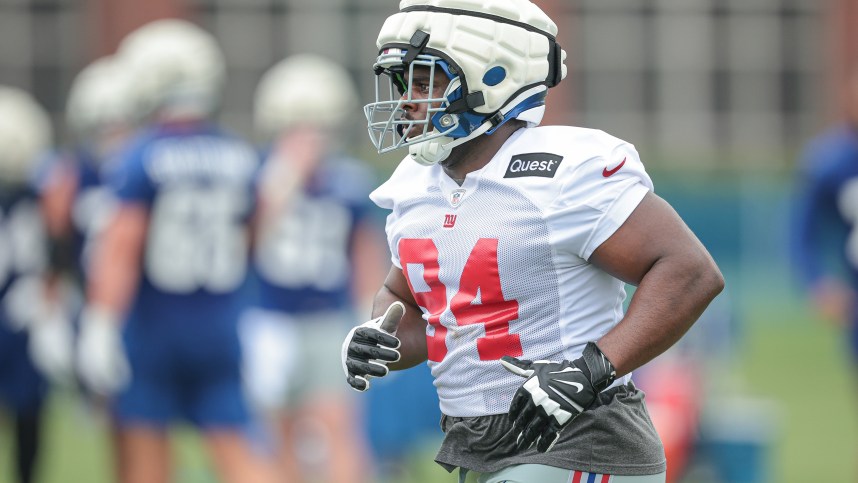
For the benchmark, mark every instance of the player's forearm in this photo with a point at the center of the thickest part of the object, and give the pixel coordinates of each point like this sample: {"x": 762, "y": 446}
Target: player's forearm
{"x": 113, "y": 284}
{"x": 411, "y": 331}
{"x": 669, "y": 299}
{"x": 115, "y": 268}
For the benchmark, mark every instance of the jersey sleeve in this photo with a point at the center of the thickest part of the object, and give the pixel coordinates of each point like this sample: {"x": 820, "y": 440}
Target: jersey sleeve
{"x": 129, "y": 180}
{"x": 596, "y": 198}
{"x": 394, "y": 191}
{"x": 386, "y": 195}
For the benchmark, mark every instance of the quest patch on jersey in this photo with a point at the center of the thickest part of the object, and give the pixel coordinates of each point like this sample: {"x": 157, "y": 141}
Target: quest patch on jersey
{"x": 533, "y": 164}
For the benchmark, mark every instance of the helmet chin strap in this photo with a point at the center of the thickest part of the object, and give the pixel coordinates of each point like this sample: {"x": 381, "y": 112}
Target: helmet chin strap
{"x": 436, "y": 150}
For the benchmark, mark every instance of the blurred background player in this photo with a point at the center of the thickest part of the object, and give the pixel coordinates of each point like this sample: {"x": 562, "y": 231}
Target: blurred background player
{"x": 25, "y": 135}
{"x": 76, "y": 202}
{"x": 101, "y": 112}
{"x": 165, "y": 287}
{"x": 318, "y": 254}
{"x": 825, "y": 221}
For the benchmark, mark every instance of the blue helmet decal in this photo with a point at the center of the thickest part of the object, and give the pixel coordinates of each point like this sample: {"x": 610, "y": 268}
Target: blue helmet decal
{"x": 494, "y": 76}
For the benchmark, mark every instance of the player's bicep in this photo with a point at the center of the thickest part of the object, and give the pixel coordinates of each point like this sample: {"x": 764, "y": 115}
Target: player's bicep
{"x": 652, "y": 232}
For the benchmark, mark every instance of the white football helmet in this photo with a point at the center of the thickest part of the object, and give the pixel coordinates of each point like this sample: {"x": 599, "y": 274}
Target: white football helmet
{"x": 500, "y": 56}
{"x": 177, "y": 66}
{"x": 102, "y": 96}
{"x": 304, "y": 89}
{"x": 25, "y": 134}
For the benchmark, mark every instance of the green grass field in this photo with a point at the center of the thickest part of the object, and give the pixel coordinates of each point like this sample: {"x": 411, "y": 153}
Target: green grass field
{"x": 804, "y": 365}
{"x": 787, "y": 358}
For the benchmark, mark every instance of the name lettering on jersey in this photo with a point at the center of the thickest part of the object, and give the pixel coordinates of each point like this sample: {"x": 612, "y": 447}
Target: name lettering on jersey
{"x": 456, "y": 197}
{"x": 449, "y": 221}
{"x": 533, "y": 164}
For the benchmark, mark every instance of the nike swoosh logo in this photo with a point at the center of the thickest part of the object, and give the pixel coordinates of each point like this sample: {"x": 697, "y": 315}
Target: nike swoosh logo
{"x": 566, "y": 369}
{"x": 576, "y": 385}
{"x": 569, "y": 401}
{"x": 608, "y": 172}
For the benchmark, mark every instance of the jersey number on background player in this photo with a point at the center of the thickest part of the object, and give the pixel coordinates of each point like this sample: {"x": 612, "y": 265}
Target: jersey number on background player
{"x": 23, "y": 255}
{"x": 197, "y": 240}
{"x": 307, "y": 246}
{"x": 21, "y": 241}
{"x": 479, "y": 300}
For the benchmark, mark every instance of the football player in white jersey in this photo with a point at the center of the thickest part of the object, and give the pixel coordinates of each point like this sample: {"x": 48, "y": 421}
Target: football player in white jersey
{"x": 511, "y": 247}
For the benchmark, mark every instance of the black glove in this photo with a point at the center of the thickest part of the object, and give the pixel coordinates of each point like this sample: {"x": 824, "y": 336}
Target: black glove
{"x": 369, "y": 347}
{"x": 554, "y": 394}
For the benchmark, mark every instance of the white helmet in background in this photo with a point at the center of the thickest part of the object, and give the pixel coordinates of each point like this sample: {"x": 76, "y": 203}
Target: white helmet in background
{"x": 501, "y": 57}
{"x": 304, "y": 89}
{"x": 177, "y": 67}
{"x": 102, "y": 97}
{"x": 25, "y": 134}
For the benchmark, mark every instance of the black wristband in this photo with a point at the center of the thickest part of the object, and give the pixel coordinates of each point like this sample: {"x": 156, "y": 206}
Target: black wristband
{"x": 602, "y": 372}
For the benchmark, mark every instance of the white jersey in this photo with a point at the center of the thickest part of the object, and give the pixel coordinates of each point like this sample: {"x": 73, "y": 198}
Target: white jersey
{"x": 499, "y": 265}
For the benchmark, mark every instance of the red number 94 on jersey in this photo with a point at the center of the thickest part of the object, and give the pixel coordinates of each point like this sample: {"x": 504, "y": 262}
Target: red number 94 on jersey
{"x": 479, "y": 300}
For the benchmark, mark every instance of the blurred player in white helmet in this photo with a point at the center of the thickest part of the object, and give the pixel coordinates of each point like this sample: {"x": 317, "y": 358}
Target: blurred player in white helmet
{"x": 318, "y": 253}
{"x": 166, "y": 279}
{"x": 511, "y": 246}
{"x": 101, "y": 111}
{"x": 25, "y": 138}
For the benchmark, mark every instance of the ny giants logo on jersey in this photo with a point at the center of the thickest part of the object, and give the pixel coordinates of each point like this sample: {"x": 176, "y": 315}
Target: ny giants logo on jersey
{"x": 533, "y": 164}
{"x": 449, "y": 221}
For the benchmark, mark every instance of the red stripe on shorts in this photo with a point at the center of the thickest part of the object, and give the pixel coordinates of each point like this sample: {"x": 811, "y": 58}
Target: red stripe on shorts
{"x": 606, "y": 478}
{"x": 576, "y": 476}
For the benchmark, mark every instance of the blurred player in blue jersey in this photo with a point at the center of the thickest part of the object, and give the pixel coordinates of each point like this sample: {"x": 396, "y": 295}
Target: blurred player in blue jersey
{"x": 25, "y": 133}
{"x": 165, "y": 284}
{"x": 101, "y": 112}
{"x": 317, "y": 248}
{"x": 825, "y": 221}
{"x": 76, "y": 203}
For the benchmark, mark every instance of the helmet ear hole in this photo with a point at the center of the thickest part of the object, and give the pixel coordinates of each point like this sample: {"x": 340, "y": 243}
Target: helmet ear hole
{"x": 494, "y": 76}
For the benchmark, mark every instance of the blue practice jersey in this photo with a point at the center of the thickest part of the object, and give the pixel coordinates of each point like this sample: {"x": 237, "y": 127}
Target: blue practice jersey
{"x": 23, "y": 258}
{"x": 23, "y": 251}
{"x": 825, "y": 228}
{"x": 198, "y": 185}
{"x": 304, "y": 262}
{"x": 92, "y": 205}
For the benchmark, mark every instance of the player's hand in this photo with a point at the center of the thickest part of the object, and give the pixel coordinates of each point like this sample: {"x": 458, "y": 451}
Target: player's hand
{"x": 554, "y": 394}
{"x": 23, "y": 303}
{"x": 51, "y": 347}
{"x": 369, "y": 347}
{"x": 101, "y": 357}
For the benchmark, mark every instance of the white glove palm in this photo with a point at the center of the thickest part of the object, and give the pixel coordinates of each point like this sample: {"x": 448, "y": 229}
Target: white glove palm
{"x": 101, "y": 357}
{"x": 52, "y": 348}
